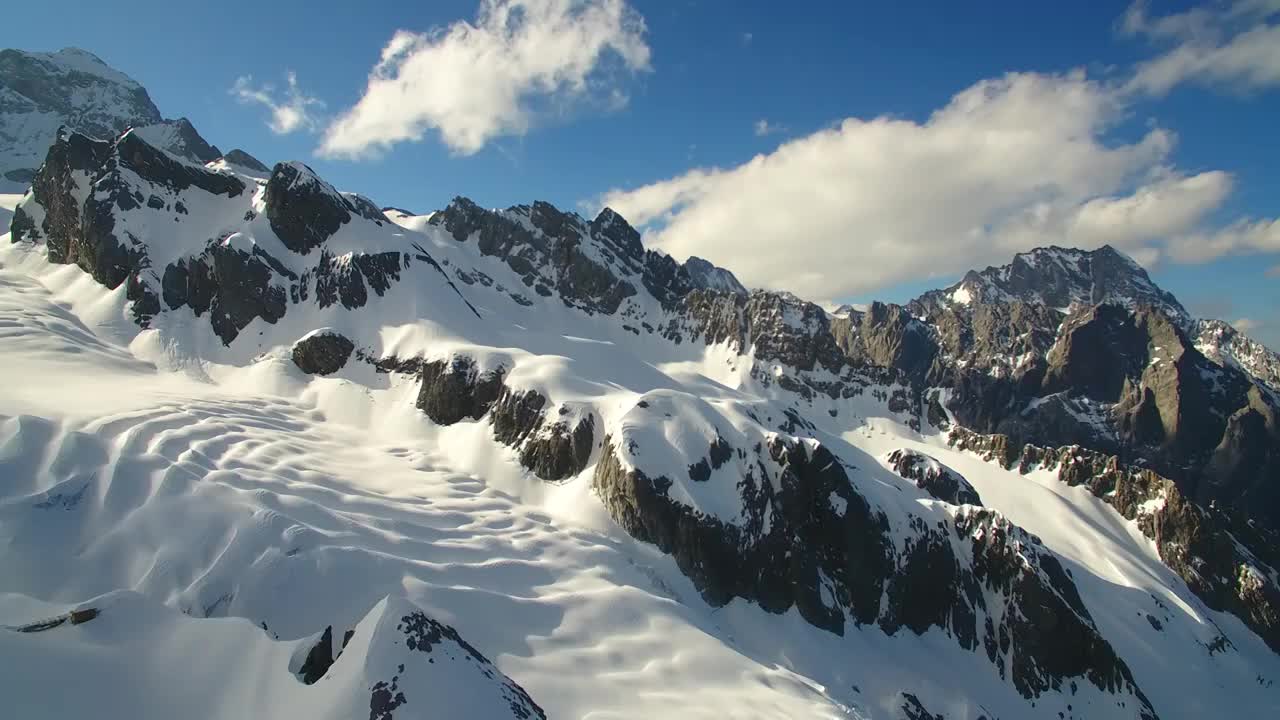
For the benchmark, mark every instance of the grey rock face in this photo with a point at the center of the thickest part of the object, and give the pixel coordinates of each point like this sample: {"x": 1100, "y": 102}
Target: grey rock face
{"x": 1228, "y": 563}
{"x": 705, "y": 276}
{"x": 933, "y": 477}
{"x": 1058, "y": 277}
{"x": 323, "y": 352}
{"x": 319, "y": 659}
{"x": 244, "y": 159}
{"x": 39, "y": 92}
{"x": 179, "y": 137}
{"x": 424, "y": 635}
{"x": 233, "y": 286}
{"x": 592, "y": 266}
{"x": 73, "y": 87}
{"x": 454, "y": 390}
{"x": 836, "y": 565}
{"x": 83, "y": 231}
{"x": 304, "y": 210}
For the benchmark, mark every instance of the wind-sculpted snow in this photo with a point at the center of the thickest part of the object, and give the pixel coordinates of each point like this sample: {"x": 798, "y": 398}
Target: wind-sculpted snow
{"x": 633, "y": 495}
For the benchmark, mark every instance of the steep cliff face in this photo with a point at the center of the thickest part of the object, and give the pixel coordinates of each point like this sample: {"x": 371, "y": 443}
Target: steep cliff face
{"x": 804, "y": 536}
{"x": 1229, "y": 564}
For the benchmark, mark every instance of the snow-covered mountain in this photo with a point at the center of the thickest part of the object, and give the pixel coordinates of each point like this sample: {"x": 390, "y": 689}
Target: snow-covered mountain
{"x": 495, "y": 463}
{"x": 1061, "y": 278}
{"x": 41, "y": 92}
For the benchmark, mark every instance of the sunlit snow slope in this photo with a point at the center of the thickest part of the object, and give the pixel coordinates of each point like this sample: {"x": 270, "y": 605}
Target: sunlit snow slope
{"x": 220, "y": 508}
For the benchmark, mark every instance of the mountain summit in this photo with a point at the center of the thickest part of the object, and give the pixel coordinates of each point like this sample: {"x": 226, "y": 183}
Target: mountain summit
{"x": 1061, "y": 278}
{"x": 40, "y": 92}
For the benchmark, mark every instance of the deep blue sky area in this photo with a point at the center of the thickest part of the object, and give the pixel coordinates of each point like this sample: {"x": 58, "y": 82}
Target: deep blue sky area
{"x": 717, "y": 67}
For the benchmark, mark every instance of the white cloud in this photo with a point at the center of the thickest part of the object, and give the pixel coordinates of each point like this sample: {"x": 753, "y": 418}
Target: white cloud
{"x": 1235, "y": 45}
{"x": 1241, "y": 236}
{"x": 1008, "y": 164}
{"x": 1245, "y": 325}
{"x": 295, "y": 111}
{"x": 764, "y": 128}
{"x": 474, "y": 82}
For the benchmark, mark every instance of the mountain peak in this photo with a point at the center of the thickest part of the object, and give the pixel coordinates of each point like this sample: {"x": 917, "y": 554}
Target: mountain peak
{"x": 1061, "y": 277}
{"x": 77, "y": 89}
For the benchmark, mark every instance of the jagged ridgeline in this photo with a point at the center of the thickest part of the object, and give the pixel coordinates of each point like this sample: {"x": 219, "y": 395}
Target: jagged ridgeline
{"x": 762, "y": 472}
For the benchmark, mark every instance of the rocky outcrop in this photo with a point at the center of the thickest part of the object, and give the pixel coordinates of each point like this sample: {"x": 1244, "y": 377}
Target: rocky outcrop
{"x": 179, "y": 138}
{"x": 303, "y": 210}
{"x": 1228, "y": 564}
{"x": 558, "y": 451}
{"x": 933, "y": 477}
{"x": 427, "y": 639}
{"x": 322, "y": 352}
{"x": 233, "y": 286}
{"x": 454, "y": 389}
{"x": 319, "y": 659}
{"x": 816, "y": 544}
{"x": 245, "y": 160}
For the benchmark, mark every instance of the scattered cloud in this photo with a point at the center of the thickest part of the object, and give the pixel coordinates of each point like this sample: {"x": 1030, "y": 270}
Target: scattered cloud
{"x": 1245, "y": 325}
{"x": 765, "y": 128}
{"x": 293, "y": 111}
{"x": 1241, "y": 236}
{"x": 1008, "y": 164}
{"x": 747, "y": 38}
{"x": 1235, "y": 44}
{"x": 475, "y": 82}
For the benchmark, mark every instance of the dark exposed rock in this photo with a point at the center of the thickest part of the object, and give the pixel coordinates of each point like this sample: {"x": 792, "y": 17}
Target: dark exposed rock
{"x": 454, "y": 389}
{"x": 55, "y": 188}
{"x": 424, "y": 634}
{"x": 179, "y": 137}
{"x": 319, "y": 659}
{"x": 235, "y": 287}
{"x": 1057, "y": 277}
{"x": 517, "y": 416}
{"x": 245, "y": 160}
{"x": 933, "y": 477}
{"x": 705, "y": 276}
{"x": 323, "y": 352}
{"x": 304, "y": 210}
{"x": 557, "y": 453}
{"x": 75, "y": 617}
{"x": 1227, "y": 563}
{"x": 912, "y": 709}
{"x": 834, "y": 562}
{"x": 349, "y": 279}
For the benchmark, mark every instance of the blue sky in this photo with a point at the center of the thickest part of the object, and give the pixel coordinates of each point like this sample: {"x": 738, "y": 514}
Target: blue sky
{"x": 873, "y": 179}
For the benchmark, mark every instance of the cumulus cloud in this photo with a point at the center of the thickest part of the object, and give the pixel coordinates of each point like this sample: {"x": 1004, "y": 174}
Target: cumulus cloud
{"x": 1008, "y": 164}
{"x": 290, "y": 111}
{"x": 1234, "y": 44}
{"x": 474, "y": 82}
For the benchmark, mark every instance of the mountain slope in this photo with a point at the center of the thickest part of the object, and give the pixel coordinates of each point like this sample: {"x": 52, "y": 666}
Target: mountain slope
{"x": 634, "y": 492}
{"x": 40, "y": 92}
